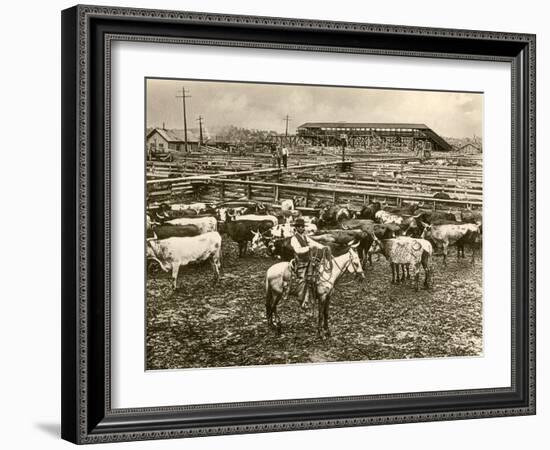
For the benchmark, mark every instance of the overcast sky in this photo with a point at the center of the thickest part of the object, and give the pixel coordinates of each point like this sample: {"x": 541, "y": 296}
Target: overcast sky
{"x": 264, "y": 106}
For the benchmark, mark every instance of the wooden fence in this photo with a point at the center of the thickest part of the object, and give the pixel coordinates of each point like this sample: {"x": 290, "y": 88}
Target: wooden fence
{"x": 215, "y": 190}
{"x": 348, "y": 182}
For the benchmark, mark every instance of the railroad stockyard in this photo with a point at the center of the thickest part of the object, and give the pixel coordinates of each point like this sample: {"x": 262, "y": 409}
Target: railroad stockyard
{"x": 387, "y": 265}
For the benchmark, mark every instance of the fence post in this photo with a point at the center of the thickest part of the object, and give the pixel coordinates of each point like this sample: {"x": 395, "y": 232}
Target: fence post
{"x": 307, "y": 198}
{"x": 222, "y": 191}
{"x": 276, "y": 194}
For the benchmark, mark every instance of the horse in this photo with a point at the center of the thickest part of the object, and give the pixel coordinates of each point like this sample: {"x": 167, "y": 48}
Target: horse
{"x": 279, "y": 275}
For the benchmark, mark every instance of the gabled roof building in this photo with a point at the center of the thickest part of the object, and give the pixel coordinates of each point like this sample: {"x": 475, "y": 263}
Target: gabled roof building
{"x": 373, "y": 135}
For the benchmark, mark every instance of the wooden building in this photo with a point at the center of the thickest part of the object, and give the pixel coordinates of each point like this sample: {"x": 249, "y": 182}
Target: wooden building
{"x": 378, "y": 136}
{"x": 470, "y": 149}
{"x": 161, "y": 140}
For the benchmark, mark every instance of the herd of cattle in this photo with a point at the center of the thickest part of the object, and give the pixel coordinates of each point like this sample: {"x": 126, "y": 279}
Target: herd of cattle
{"x": 178, "y": 235}
{"x": 186, "y": 233}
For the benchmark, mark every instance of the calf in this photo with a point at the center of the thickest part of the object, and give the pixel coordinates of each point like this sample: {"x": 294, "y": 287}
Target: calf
{"x": 174, "y": 252}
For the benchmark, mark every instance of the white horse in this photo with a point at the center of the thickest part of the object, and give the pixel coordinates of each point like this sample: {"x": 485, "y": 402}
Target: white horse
{"x": 279, "y": 275}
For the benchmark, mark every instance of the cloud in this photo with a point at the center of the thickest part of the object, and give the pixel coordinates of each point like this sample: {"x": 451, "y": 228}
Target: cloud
{"x": 264, "y": 106}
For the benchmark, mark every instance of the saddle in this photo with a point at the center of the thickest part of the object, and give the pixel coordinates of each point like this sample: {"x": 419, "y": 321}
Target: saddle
{"x": 308, "y": 271}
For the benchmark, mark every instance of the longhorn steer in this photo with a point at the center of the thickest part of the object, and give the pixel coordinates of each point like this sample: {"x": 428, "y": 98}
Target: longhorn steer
{"x": 471, "y": 216}
{"x": 242, "y": 231}
{"x": 204, "y": 224}
{"x": 386, "y": 217}
{"x": 341, "y": 238}
{"x": 167, "y": 231}
{"x": 443, "y": 235}
{"x": 174, "y": 252}
{"x": 368, "y": 212}
{"x": 435, "y": 216}
{"x": 331, "y": 215}
{"x": 409, "y": 252}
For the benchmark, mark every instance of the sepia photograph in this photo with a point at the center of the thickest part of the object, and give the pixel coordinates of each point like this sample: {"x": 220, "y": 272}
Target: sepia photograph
{"x": 300, "y": 224}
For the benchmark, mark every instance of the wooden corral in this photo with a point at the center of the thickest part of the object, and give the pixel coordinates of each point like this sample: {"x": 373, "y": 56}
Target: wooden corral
{"x": 352, "y": 182}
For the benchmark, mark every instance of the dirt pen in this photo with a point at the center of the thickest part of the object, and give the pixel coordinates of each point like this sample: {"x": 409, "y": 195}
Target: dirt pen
{"x": 208, "y": 324}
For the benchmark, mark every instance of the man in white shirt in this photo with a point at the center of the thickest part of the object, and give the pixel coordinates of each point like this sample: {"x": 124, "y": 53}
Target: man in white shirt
{"x": 302, "y": 272}
{"x": 285, "y": 156}
{"x": 301, "y": 242}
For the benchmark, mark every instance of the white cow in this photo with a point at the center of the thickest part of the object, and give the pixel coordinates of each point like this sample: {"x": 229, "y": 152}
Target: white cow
{"x": 204, "y": 224}
{"x": 197, "y": 207}
{"x": 386, "y": 217}
{"x": 446, "y": 234}
{"x": 256, "y": 217}
{"x": 287, "y": 205}
{"x": 174, "y": 252}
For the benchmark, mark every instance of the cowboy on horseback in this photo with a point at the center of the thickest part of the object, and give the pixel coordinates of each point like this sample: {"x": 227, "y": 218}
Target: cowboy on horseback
{"x": 305, "y": 265}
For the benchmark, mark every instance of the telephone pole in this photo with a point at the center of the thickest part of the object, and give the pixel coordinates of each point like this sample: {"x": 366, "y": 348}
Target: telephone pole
{"x": 183, "y": 96}
{"x": 287, "y": 119}
{"x": 200, "y": 119}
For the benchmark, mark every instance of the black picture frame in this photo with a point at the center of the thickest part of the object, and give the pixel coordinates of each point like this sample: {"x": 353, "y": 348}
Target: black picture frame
{"x": 87, "y": 33}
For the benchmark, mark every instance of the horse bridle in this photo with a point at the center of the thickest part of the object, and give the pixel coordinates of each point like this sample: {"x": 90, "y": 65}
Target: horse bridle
{"x": 343, "y": 267}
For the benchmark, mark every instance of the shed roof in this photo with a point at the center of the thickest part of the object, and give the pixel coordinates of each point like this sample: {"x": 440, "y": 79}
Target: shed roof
{"x": 175, "y": 135}
{"x": 476, "y": 146}
{"x": 362, "y": 125}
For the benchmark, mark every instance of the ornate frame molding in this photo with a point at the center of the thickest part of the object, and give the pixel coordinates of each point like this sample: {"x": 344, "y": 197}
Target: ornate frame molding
{"x": 78, "y": 425}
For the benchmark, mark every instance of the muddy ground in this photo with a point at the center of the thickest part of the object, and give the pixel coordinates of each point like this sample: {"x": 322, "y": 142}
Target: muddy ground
{"x": 208, "y": 324}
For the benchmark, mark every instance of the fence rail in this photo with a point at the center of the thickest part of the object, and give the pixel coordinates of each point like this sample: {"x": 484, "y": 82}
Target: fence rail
{"x": 354, "y": 187}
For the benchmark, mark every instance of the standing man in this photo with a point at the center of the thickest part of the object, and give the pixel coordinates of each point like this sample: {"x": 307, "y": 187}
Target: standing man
{"x": 285, "y": 156}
